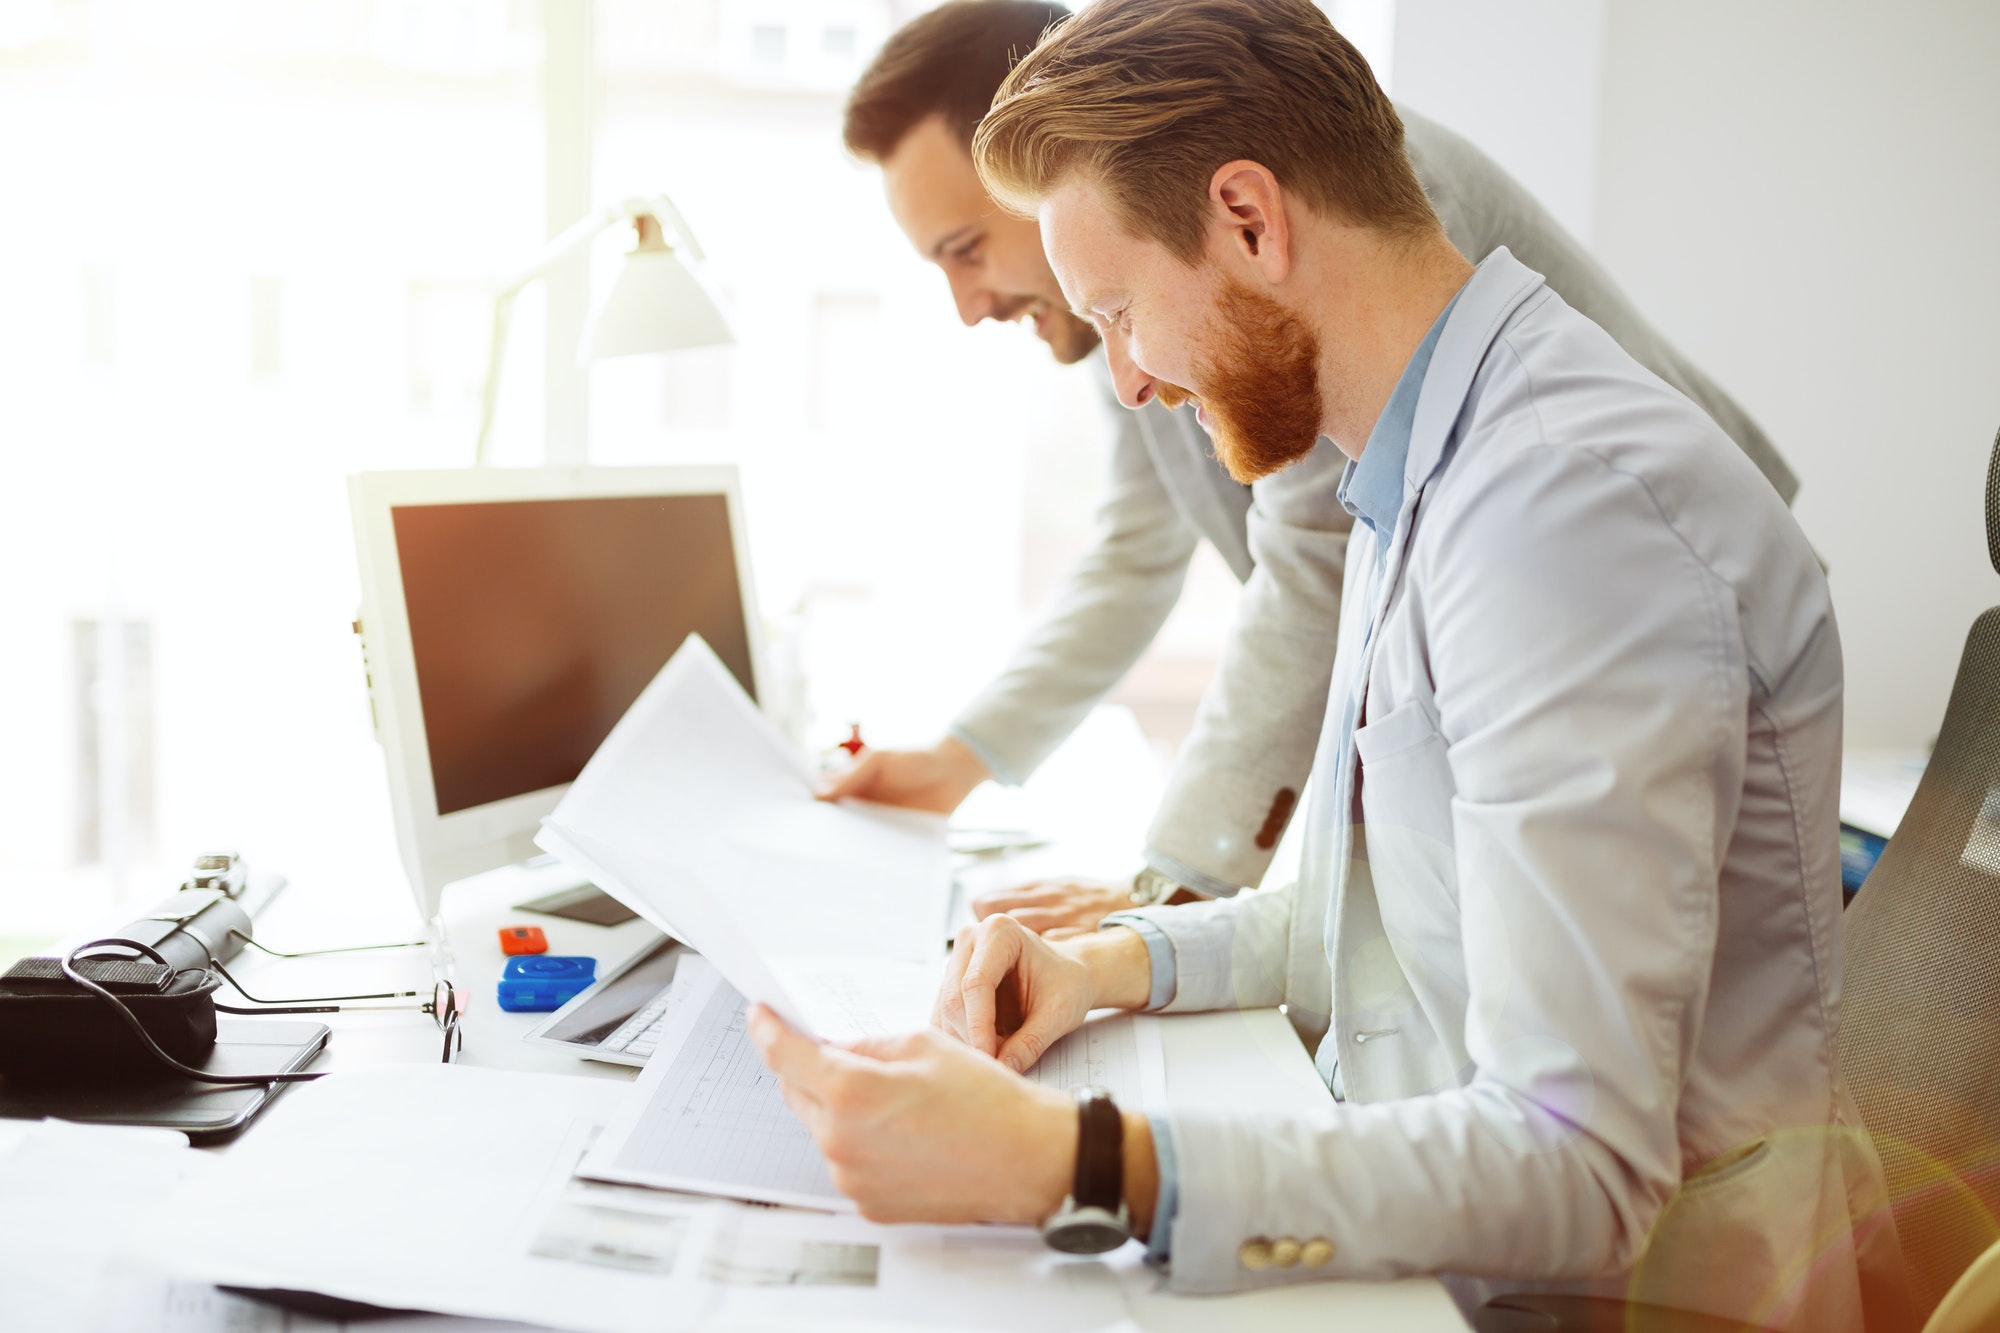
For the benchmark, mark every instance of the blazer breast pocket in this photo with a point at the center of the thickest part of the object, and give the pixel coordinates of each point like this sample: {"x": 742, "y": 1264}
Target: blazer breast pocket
{"x": 1406, "y": 795}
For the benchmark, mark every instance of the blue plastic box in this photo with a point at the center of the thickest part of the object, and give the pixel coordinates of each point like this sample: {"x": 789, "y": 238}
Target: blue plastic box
{"x": 538, "y": 983}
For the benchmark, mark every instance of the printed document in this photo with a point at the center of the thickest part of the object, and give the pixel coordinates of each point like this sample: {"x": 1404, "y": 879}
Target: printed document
{"x": 696, "y": 814}
{"x": 708, "y": 1117}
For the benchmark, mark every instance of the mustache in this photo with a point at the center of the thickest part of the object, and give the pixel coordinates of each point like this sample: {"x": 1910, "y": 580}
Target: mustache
{"x": 1013, "y": 309}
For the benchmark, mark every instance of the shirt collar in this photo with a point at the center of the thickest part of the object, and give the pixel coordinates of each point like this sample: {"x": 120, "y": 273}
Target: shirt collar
{"x": 1372, "y": 487}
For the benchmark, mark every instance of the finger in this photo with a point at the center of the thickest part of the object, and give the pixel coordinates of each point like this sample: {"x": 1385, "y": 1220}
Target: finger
{"x": 901, "y": 1047}
{"x": 994, "y": 955}
{"x": 1032, "y": 1041}
{"x": 1007, "y": 900}
{"x": 851, "y": 781}
{"x": 1067, "y": 933}
{"x": 948, "y": 1013}
{"x": 795, "y": 1058}
{"x": 1041, "y": 920}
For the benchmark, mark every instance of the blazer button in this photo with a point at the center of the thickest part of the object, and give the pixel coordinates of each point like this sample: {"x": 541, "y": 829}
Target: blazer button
{"x": 1255, "y": 1255}
{"x": 1316, "y": 1253}
{"x": 1285, "y": 1252}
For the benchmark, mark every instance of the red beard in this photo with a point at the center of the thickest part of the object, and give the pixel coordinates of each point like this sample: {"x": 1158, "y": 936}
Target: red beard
{"x": 1261, "y": 384}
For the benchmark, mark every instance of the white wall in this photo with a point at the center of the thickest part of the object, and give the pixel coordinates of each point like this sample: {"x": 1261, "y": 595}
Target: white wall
{"x": 1517, "y": 77}
{"x": 1805, "y": 194}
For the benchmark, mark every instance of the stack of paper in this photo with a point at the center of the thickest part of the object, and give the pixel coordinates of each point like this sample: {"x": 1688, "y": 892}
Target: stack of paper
{"x": 697, "y": 815}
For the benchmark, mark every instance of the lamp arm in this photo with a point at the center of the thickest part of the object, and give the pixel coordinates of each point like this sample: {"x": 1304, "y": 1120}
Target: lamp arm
{"x": 570, "y": 239}
{"x": 489, "y": 397}
{"x": 573, "y": 237}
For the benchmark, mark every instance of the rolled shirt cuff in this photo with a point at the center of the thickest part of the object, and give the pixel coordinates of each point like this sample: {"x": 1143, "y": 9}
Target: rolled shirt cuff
{"x": 1159, "y": 952}
{"x": 1160, "y": 1242}
{"x": 1185, "y": 875}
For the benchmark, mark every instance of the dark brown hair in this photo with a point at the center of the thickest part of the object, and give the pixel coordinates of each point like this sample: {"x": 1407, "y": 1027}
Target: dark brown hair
{"x": 1146, "y": 98}
{"x": 947, "y": 63}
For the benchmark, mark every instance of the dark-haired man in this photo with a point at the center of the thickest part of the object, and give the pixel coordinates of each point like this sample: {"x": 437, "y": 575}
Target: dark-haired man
{"x": 1566, "y": 939}
{"x": 1244, "y": 766}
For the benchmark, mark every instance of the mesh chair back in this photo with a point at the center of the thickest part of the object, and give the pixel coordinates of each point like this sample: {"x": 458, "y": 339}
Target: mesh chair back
{"x": 1920, "y": 1010}
{"x": 1993, "y": 506}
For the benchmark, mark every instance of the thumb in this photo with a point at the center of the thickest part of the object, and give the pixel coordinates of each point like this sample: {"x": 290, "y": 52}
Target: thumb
{"x": 901, "y": 1046}
{"x": 1031, "y": 1041}
{"x": 852, "y": 781}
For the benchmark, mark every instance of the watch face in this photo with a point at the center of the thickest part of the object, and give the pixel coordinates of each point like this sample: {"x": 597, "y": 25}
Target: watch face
{"x": 1087, "y": 1230}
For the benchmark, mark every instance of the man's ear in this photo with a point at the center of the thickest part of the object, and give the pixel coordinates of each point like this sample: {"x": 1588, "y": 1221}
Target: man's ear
{"x": 1250, "y": 221}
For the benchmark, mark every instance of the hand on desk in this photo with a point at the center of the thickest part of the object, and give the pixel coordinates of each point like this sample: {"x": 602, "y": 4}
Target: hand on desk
{"x": 1011, "y": 994}
{"x": 937, "y": 779}
{"x": 919, "y": 1128}
{"x": 1058, "y": 909}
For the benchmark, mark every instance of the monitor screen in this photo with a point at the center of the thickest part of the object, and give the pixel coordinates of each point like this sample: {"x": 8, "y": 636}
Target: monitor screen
{"x": 536, "y": 623}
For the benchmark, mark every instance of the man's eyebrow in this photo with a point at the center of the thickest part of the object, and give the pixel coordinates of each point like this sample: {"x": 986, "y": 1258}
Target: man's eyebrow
{"x": 946, "y": 241}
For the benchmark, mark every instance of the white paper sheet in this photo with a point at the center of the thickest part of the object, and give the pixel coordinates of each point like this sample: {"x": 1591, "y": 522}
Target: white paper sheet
{"x": 707, "y": 1116}
{"x": 425, "y": 1187}
{"x": 1118, "y": 1052}
{"x": 75, "y": 1195}
{"x": 451, "y": 1189}
{"x": 698, "y": 816}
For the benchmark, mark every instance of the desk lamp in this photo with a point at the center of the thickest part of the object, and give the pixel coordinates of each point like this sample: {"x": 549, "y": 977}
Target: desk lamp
{"x": 656, "y": 305}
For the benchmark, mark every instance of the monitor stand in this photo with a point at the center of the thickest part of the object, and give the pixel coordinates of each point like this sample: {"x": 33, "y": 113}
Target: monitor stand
{"x": 581, "y": 902}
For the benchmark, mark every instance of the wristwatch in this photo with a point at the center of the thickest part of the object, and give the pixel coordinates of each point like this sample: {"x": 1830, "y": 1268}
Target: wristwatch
{"x": 1094, "y": 1219}
{"x": 1150, "y": 888}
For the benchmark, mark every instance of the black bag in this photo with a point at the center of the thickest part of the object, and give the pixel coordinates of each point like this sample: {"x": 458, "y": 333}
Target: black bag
{"x": 52, "y": 1028}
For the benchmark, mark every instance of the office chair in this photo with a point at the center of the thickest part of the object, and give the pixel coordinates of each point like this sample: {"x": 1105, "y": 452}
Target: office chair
{"x": 1919, "y": 1040}
{"x": 1920, "y": 1010}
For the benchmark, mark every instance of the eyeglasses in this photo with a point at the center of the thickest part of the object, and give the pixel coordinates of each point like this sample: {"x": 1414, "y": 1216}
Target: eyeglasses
{"x": 446, "y": 1006}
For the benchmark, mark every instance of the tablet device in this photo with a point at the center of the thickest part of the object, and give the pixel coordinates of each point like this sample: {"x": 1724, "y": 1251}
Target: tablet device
{"x": 617, "y": 1019}
{"x": 206, "y": 1113}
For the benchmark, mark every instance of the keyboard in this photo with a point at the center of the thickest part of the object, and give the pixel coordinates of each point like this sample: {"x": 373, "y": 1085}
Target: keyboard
{"x": 639, "y": 1035}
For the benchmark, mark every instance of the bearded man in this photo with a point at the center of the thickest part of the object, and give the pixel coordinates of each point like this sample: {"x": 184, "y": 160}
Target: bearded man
{"x": 1238, "y": 778}
{"x": 1566, "y": 939}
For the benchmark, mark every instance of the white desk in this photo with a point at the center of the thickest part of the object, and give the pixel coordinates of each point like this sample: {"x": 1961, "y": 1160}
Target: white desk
{"x": 1259, "y": 1059}
{"x": 1229, "y": 1059}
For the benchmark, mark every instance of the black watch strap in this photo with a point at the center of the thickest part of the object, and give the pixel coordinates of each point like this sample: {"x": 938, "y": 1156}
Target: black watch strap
{"x": 1100, "y": 1151}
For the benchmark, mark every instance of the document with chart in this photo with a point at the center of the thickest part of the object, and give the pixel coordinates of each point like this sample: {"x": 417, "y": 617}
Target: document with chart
{"x": 699, "y": 816}
{"x": 708, "y": 1117}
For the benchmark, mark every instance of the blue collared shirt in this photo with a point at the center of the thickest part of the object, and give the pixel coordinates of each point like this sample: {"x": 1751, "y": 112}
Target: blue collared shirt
{"x": 1372, "y": 490}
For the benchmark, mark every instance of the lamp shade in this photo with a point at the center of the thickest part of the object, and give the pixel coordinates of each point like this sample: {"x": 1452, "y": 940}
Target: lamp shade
{"x": 655, "y": 305}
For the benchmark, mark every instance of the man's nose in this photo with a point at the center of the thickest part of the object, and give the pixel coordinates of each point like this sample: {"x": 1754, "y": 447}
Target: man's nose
{"x": 974, "y": 302}
{"x": 1135, "y": 387}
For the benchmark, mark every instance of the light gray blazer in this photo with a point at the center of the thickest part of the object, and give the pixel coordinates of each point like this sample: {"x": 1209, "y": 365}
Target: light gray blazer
{"x": 1245, "y": 762}
{"x": 1568, "y": 917}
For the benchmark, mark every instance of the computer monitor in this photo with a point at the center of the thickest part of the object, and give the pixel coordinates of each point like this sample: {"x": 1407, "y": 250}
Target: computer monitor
{"x": 508, "y": 619}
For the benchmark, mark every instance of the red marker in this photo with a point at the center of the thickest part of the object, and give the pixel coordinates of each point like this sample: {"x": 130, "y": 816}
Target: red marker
{"x": 853, "y": 744}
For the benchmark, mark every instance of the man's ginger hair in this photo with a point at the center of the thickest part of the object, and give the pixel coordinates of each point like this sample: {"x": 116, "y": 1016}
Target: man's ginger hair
{"x": 1146, "y": 98}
